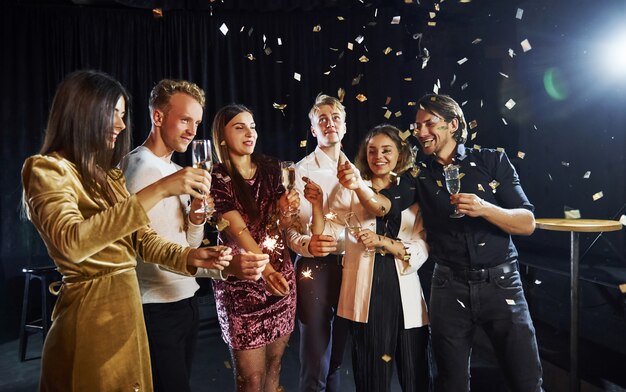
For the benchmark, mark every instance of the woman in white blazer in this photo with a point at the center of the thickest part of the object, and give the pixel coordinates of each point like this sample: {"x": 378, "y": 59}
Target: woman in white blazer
{"x": 380, "y": 289}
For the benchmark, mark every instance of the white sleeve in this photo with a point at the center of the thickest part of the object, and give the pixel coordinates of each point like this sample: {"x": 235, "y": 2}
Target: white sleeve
{"x": 195, "y": 233}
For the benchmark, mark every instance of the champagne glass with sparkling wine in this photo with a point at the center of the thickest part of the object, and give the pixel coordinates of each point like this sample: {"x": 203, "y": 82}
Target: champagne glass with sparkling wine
{"x": 453, "y": 184}
{"x": 354, "y": 227}
{"x": 201, "y": 157}
{"x": 288, "y": 177}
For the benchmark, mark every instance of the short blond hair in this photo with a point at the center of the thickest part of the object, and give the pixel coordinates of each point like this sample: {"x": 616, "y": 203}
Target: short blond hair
{"x": 164, "y": 90}
{"x": 323, "y": 99}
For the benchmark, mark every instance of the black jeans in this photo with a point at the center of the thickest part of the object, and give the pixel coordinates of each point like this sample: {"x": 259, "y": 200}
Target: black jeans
{"x": 494, "y": 300}
{"x": 172, "y": 333}
{"x": 322, "y": 333}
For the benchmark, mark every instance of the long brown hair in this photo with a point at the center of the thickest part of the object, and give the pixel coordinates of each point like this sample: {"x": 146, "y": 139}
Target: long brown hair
{"x": 79, "y": 126}
{"x": 240, "y": 186}
{"x": 393, "y": 133}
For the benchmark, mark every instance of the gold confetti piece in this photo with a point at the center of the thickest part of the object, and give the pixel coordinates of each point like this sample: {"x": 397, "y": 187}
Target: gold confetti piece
{"x": 465, "y": 1}
{"x": 387, "y": 114}
{"x": 510, "y": 302}
{"x": 223, "y": 143}
{"x": 509, "y": 104}
{"x": 224, "y": 28}
{"x": 460, "y": 303}
{"x": 398, "y": 114}
{"x": 521, "y": 154}
{"x": 622, "y": 287}
{"x": 350, "y": 45}
{"x": 437, "y": 7}
{"x": 341, "y": 18}
{"x": 494, "y": 184}
{"x": 409, "y": 79}
{"x": 317, "y": 28}
{"x": 157, "y": 12}
{"x": 404, "y": 135}
{"x": 227, "y": 365}
{"x": 341, "y": 93}
{"x": 525, "y": 45}
{"x": 250, "y": 57}
{"x": 477, "y": 146}
{"x": 477, "y": 41}
{"x": 205, "y": 242}
{"x": 480, "y": 188}
{"x": 473, "y": 124}
{"x": 432, "y": 15}
{"x": 411, "y": 103}
{"x": 461, "y": 175}
{"x": 364, "y": 59}
{"x": 439, "y": 184}
{"x": 279, "y": 106}
{"x": 473, "y": 135}
{"x": 387, "y": 50}
{"x": 462, "y": 61}
{"x": 499, "y": 149}
{"x": 361, "y": 98}
{"x": 408, "y": 1}
{"x": 587, "y": 174}
{"x": 302, "y": 143}
{"x": 222, "y": 224}
{"x": 395, "y": 20}
{"x": 572, "y": 214}
{"x": 598, "y": 196}
{"x": 386, "y": 358}
{"x": 432, "y": 24}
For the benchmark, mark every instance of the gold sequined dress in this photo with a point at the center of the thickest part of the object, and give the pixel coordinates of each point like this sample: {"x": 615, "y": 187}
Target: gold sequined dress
{"x": 97, "y": 341}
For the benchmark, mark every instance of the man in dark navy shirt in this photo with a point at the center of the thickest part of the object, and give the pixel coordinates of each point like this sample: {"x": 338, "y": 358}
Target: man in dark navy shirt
{"x": 476, "y": 282}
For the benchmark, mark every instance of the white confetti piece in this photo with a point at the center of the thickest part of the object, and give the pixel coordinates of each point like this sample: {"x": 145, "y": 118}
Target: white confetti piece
{"x": 511, "y": 53}
{"x": 462, "y": 61}
{"x": 280, "y": 41}
{"x": 537, "y": 281}
{"x": 503, "y": 74}
{"x": 510, "y": 104}
{"x": 572, "y": 214}
{"x": 359, "y": 39}
{"x": 519, "y": 14}
{"x": 395, "y": 20}
{"x": 477, "y": 41}
{"x": 525, "y": 45}
{"x": 224, "y": 28}
{"x": 504, "y": 121}
{"x": 587, "y": 175}
{"x": 521, "y": 154}
{"x": 296, "y": 76}
{"x": 622, "y": 220}
{"x": 598, "y": 196}
{"x": 510, "y": 302}
{"x": 461, "y": 303}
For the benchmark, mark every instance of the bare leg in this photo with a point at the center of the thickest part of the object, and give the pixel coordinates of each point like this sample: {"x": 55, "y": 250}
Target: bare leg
{"x": 273, "y": 357}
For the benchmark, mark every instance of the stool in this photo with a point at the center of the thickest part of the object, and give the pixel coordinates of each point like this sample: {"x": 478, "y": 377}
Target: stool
{"x": 45, "y": 275}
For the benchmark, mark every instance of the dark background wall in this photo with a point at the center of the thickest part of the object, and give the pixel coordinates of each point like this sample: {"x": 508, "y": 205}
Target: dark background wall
{"x": 553, "y": 140}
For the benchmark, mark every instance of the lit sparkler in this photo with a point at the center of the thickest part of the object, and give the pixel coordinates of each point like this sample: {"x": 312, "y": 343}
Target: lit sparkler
{"x": 307, "y": 273}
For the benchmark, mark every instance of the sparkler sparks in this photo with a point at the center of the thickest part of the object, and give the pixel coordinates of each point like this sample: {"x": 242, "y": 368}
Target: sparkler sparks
{"x": 307, "y": 273}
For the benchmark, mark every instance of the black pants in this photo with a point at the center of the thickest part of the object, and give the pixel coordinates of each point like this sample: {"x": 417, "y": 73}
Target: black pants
{"x": 172, "y": 334}
{"x": 322, "y": 333}
{"x": 383, "y": 341}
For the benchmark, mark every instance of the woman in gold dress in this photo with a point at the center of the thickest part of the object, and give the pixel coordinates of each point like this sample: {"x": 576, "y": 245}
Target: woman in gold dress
{"x": 93, "y": 230}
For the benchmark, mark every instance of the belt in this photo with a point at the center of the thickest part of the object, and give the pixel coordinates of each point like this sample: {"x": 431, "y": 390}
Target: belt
{"x": 477, "y": 275}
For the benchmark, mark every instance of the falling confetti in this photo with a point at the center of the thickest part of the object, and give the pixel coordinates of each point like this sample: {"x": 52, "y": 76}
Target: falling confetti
{"x": 227, "y": 365}
{"x": 350, "y": 46}
{"x": 404, "y": 135}
{"x": 525, "y": 45}
{"x": 521, "y": 154}
{"x": 224, "y": 28}
{"x": 386, "y": 358}
{"x": 480, "y": 188}
{"x": 341, "y": 93}
{"x": 387, "y": 114}
{"x": 398, "y": 114}
{"x": 317, "y": 28}
{"x": 462, "y": 61}
{"x": 477, "y": 41}
{"x": 222, "y": 224}
{"x": 473, "y": 124}
{"x": 510, "y": 302}
{"x": 494, "y": 184}
{"x": 510, "y": 104}
{"x": 587, "y": 175}
{"x": 537, "y": 281}
{"x": 364, "y": 59}
{"x": 302, "y": 143}
{"x": 622, "y": 220}
{"x": 511, "y": 53}
{"x": 503, "y": 74}
{"x": 461, "y": 303}
{"x": 598, "y": 196}
{"x": 387, "y": 50}
{"x": 250, "y": 57}
{"x": 279, "y": 106}
{"x": 395, "y": 20}
{"x": 157, "y": 12}
{"x": 361, "y": 98}
{"x": 296, "y": 76}
{"x": 571, "y": 214}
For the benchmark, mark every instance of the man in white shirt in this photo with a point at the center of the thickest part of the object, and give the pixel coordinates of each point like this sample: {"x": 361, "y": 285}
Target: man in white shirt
{"x": 318, "y": 265}
{"x": 170, "y": 307}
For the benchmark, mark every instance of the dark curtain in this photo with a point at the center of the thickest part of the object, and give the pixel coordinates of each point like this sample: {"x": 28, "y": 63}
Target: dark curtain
{"x": 41, "y": 44}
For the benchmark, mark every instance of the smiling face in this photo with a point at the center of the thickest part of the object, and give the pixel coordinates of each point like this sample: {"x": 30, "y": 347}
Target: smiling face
{"x": 118, "y": 121}
{"x": 382, "y": 155}
{"x": 240, "y": 134}
{"x": 177, "y": 124}
{"x": 435, "y": 134}
{"x": 328, "y": 126}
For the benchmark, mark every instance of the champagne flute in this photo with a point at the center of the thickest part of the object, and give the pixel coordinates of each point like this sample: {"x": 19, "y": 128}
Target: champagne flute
{"x": 201, "y": 157}
{"x": 453, "y": 184}
{"x": 288, "y": 178}
{"x": 354, "y": 227}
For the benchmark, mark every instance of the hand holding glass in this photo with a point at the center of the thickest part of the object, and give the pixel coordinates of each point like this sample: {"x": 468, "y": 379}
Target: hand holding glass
{"x": 453, "y": 184}
{"x": 354, "y": 227}
{"x": 201, "y": 157}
